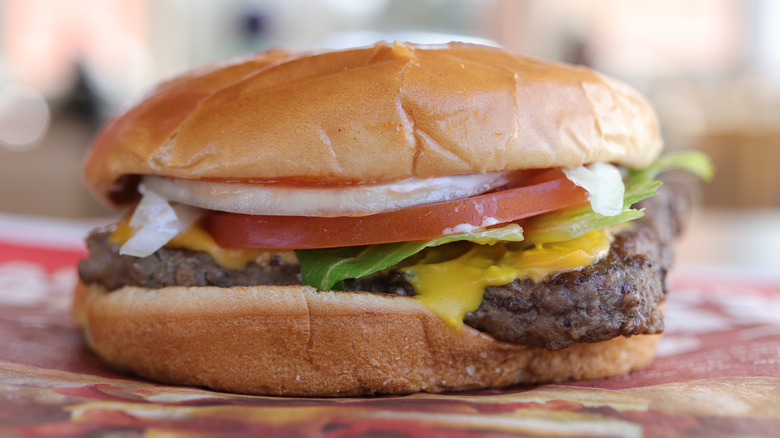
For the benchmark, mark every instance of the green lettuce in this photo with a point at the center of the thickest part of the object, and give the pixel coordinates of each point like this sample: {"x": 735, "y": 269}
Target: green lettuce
{"x": 640, "y": 184}
{"x": 327, "y": 268}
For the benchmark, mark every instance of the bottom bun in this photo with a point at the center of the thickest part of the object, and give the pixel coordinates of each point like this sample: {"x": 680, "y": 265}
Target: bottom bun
{"x": 297, "y": 341}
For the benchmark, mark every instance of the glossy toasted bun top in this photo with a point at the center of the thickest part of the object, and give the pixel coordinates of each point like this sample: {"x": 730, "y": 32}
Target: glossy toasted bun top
{"x": 376, "y": 114}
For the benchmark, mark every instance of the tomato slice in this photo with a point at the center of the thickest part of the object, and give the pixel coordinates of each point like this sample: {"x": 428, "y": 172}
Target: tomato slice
{"x": 547, "y": 192}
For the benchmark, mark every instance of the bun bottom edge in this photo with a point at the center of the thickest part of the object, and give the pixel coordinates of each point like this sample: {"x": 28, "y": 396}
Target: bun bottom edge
{"x": 297, "y": 341}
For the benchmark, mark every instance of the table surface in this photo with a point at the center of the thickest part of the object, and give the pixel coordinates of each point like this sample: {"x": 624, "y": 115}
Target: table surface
{"x": 717, "y": 372}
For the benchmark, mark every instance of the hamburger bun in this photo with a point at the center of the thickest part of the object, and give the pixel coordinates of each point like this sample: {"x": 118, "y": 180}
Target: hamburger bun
{"x": 297, "y": 341}
{"x": 377, "y": 114}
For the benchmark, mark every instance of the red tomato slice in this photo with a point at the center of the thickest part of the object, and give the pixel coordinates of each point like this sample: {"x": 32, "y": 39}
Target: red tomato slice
{"x": 547, "y": 192}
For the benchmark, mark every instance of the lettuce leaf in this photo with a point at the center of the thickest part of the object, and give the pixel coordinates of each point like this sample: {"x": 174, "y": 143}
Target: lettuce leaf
{"x": 695, "y": 162}
{"x": 640, "y": 184}
{"x": 327, "y": 268}
{"x": 574, "y": 222}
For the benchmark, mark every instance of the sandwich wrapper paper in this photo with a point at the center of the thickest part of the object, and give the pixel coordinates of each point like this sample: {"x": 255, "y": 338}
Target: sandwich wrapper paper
{"x": 717, "y": 372}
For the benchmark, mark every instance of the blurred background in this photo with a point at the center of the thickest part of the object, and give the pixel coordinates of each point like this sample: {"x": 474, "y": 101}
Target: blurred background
{"x": 711, "y": 67}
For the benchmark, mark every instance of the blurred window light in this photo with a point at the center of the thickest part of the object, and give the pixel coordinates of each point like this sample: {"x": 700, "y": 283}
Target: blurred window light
{"x": 641, "y": 38}
{"x": 24, "y": 117}
{"x": 766, "y": 34}
{"x": 45, "y": 42}
{"x": 344, "y": 40}
{"x": 358, "y": 9}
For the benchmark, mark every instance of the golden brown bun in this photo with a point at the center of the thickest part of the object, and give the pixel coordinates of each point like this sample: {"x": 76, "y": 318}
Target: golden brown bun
{"x": 377, "y": 114}
{"x": 297, "y": 341}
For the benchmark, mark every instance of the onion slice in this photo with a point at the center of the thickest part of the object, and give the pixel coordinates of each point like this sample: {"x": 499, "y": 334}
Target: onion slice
{"x": 347, "y": 200}
{"x": 157, "y": 222}
{"x": 604, "y": 185}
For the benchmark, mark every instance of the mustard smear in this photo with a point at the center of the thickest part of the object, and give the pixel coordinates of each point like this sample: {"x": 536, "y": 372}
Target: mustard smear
{"x": 455, "y": 287}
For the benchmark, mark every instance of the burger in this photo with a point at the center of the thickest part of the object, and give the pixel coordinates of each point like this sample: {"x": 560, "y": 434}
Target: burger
{"x": 380, "y": 220}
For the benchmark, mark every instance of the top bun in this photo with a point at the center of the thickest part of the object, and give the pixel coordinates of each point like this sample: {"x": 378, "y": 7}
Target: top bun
{"x": 376, "y": 114}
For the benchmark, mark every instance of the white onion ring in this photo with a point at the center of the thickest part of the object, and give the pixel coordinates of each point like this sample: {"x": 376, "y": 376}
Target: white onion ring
{"x": 351, "y": 200}
{"x": 604, "y": 184}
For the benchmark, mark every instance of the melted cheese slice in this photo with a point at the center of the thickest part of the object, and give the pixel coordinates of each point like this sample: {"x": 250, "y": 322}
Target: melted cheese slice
{"x": 197, "y": 239}
{"x": 454, "y": 287}
{"x": 449, "y": 288}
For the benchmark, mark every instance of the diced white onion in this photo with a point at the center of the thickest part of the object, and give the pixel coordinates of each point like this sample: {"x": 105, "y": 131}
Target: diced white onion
{"x": 348, "y": 200}
{"x": 467, "y": 228}
{"x": 157, "y": 222}
{"x": 604, "y": 184}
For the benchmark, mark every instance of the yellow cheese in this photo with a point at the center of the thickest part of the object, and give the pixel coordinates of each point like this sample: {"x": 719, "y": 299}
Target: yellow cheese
{"x": 122, "y": 233}
{"x": 454, "y": 287}
{"x": 197, "y": 239}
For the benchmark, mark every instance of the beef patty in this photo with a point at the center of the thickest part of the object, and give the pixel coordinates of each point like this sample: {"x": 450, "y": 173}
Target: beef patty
{"x": 618, "y": 295}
